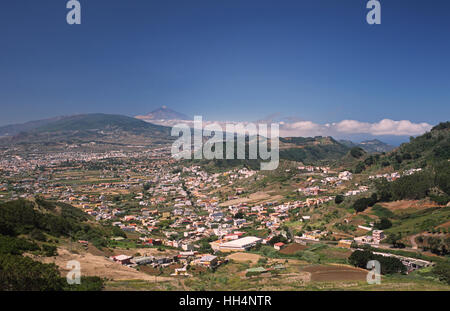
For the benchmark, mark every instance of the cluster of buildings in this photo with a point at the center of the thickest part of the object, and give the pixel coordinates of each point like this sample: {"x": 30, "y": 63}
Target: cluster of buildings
{"x": 395, "y": 175}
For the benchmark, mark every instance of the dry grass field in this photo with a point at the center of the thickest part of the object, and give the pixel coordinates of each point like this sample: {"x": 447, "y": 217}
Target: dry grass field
{"x": 244, "y": 257}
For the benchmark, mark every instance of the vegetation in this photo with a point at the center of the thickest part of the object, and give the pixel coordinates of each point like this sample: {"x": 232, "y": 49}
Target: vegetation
{"x": 389, "y": 265}
{"x": 30, "y": 219}
{"x": 362, "y": 204}
{"x": 312, "y": 149}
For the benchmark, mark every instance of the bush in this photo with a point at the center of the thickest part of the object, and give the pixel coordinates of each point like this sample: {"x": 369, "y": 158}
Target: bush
{"x": 37, "y": 234}
{"x": 442, "y": 271}
{"x": 49, "y": 250}
{"x": 16, "y": 246}
{"x": 383, "y": 224}
{"x": 389, "y": 265}
{"x": 339, "y": 199}
{"x": 357, "y": 152}
{"x": 19, "y": 273}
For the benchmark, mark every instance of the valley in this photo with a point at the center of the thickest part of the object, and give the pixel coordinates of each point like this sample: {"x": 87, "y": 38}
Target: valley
{"x": 137, "y": 219}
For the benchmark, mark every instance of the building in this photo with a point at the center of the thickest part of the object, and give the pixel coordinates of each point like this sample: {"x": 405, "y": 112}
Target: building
{"x": 278, "y": 246}
{"x": 411, "y": 264}
{"x": 365, "y": 239}
{"x": 242, "y": 244}
{"x": 122, "y": 259}
{"x": 208, "y": 261}
{"x": 377, "y": 236}
{"x": 142, "y": 260}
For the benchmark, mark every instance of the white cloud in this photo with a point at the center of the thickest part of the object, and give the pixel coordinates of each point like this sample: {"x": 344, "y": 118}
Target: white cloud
{"x": 383, "y": 127}
{"x": 344, "y": 127}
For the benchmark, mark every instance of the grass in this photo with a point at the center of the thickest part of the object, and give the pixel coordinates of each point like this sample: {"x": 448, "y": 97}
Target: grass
{"x": 126, "y": 244}
{"x": 381, "y": 211}
{"x": 420, "y": 221}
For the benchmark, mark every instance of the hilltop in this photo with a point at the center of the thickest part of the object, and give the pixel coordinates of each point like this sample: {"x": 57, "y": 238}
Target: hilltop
{"x": 370, "y": 146}
{"x": 163, "y": 113}
{"x": 98, "y": 128}
{"x": 311, "y": 149}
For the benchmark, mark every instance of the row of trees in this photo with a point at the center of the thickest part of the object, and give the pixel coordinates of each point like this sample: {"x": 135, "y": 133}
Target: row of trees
{"x": 389, "y": 265}
{"x": 362, "y": 204}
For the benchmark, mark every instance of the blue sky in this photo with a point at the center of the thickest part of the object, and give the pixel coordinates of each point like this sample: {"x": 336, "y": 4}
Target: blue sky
{"x": 227, "y": 60}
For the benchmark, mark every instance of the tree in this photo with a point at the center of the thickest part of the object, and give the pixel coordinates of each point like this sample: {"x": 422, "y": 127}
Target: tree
{"x": 361, "y": 204}
{"x": 339, "y": 199}
{"x": 356, "y": 152}
{"x": 383, "y": 224}
{"x": 389, "y": 265}
{"x": 37, "y": 234}
{"x": 238, "y": 215}
{"x": 276, "y": 239}
{"x": 360, "y": 167}
{"x": 19, "y": 273}
{"x": 394, "y": 239}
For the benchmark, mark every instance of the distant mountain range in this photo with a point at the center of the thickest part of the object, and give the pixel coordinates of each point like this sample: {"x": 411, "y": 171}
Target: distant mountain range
{"x": 163, "y": 113}
{"x": 119, "y": 130}
{"x": 370, "y": 146}
{"x": 95, "y": 127}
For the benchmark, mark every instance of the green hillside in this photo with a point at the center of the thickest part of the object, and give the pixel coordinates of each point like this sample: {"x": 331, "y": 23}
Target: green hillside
{"x": 104, "y": 129}
{"x": 99, "y": 121}
{"x": 309, "y": 150}
{"x": 36, "y": 227}
{"x": 425, "y": 150}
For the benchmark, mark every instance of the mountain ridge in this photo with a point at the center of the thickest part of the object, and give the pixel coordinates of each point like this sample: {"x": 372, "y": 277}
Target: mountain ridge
{"x": 371, "y": 145}
{"x": 86, "y": 128}
{"x": 163, "y": 113}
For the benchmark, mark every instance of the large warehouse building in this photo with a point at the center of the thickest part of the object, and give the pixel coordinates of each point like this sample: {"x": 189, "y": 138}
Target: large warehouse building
{"x": 242, "y": 244}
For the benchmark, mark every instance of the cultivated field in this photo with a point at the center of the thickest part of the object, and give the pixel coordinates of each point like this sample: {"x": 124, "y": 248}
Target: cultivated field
{"x": 330, "y": 273}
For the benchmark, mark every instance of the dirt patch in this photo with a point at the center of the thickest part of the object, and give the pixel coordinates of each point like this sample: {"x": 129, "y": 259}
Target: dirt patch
{"x": 332, "y": 273}
{"x": 405, "y": 204}
{"x": 292, "y": 249}
{"x": 97, "y": 252}
{"x": 244, "y": 257}
{"x": 445, "y": 225}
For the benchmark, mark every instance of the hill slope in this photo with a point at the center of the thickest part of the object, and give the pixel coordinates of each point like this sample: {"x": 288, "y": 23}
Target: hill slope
{"x": 96, "y": 127}
{"x": 311, "y": 149}
{"x": 36, "y": 228}
{"x": 163, "y": 113}
{"x": 371, "y": 146}
{"x": 422, "y": 151}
